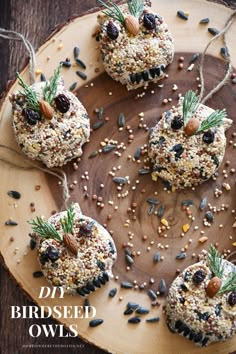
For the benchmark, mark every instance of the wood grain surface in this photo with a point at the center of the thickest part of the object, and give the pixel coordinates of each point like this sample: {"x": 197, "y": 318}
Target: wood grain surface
{"x": 36, "y": 20}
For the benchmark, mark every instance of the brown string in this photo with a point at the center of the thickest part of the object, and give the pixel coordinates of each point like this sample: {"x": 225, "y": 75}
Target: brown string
{"x": 228, "y": 59}
{"x": 54, "y": 172}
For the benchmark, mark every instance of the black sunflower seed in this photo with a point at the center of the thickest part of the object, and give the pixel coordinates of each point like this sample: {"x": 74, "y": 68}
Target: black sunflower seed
{"x": 187, "y": 202}
{"x": 87, "y": 304}
{"x": 120, "y": 180}
{"x": 11, "y": 223}
{"x": 33, "y": 244}
{"x": 93, "y": 154}
{"x": 152, "y": 294}
{"x": 151, "y": 209}
{"x": 76, "y": 52}
{"x": 85, "y": 290}
{"x": 73, "y": 86}
{"x": 213, "y": 31}
{"x": 97, "y": 283}
{"x": 96, "y": 322}
{"x": 105, "y": 276}
{"x": 121, "y": 120}
{"x": 112, "y": 292}
{"x": 137, "y": 153}
{"x": 143, "y": 171}
{"x": 98, "y": 125}
{"x": 161, "y": 211}
{"x": 66, "y": 64}
{"x": 129, "y": 259}
{"x": 181, "y": 255}
{"x": 153, "y": 201}
{"x": 204, "y": 21}
{"x": 80, "y": 292}
{"x": 90, "y": 286}
{"x": 108, "y": 148}
{"x": 81, "y": 75}
{"x": 224, "y": 52}
{"x": 203, "y": 203}
{"x": 153, "y": 319}
{"x": 132, "y": 78}
{"x": 182, "y": 15}
{"x": 134, "y": 320}
{"x": 132, "y": 305}
{"x": 128, "y": 311}
{"x": 209, "y": 216}
{"x": 194, "y": 58}
{"x": 38, "y": 274}
{"x": 158, "y": 71}
{"x": 102, "y": 280}
{"x": 162, "y": 287}
{"x": 80, "y": 63}
{"x": 152, "y": 72}
{"x": 126, "y": 285}
{"x": 14, "y": 194}
{"x": 156, "y": 257}
{"x": 142, "y": 310}
{"x": 145, "y": 75}
{"x": 43, "y": 78}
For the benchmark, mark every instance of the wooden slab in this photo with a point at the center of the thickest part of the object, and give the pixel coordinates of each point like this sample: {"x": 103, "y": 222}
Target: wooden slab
{"x": 143, "y": 338}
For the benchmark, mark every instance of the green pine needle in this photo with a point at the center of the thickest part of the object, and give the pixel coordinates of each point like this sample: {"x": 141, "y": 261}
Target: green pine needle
{"x": 44, "y": 229}
{"x": 50, "y": 88}
{"x": 215, "y": 263}
{"x": 135, "y": 7}
{"x": 113, "y": 11}
{"x": 30, "y": 95}
{"x": 68, "y": 221}
{"x": 190, "y": 105}
{"x": 215, "y": 119}
{"x": 229, "y": 285}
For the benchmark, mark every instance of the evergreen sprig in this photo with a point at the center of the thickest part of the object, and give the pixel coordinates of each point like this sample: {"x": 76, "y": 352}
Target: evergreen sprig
{"x": 190, "y": 105}
{"x": 229, "y": 284}
{"x": 50, "y": 88}
{"x": 68, "y": 221}
{"x": 215, "y": 262}
{"x": 30, "y": 95}
{"x": 135, "y": 7}
{"x": 113, "y": 11}
{"x": 215, "y": 119}
{"x": 44, "y": 229}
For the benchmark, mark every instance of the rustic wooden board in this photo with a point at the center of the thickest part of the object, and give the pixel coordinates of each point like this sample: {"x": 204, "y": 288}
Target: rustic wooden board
{"x": 189, "y": 38}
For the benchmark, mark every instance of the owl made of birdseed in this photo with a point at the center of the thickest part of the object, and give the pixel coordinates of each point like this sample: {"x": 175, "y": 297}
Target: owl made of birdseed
{"x": 136, "y": 44}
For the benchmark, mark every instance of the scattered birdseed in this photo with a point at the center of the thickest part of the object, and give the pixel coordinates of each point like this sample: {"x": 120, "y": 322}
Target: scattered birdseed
{"x": 81, "y": 74}
{"x": 181, "y": 255}
{"x": 203, "y": 203}
{"x": 152, "y": 294}
{"x": 95, "y": 322}
{"x": 204, "y": 21}
{"x": 134, "y": 320}
{"x": 132, "y": 305}
{"x": 10, "y": 223}
{"x": 112, "y": 292}
{"x": 121, "y": 120}
{"x": 73, "y": 86}
{"x": 14, "y": 194}
{"x": 38, "y": 274}
{"x": 194, "y": 58}
{"x": 153, "y": 319}
{"x": 151, "y": 209}
{"x": 87, "y": 304}
{"x": 153, "y": 201}
{"x": 182, "y": 15}
{"x": 142, "y": 310}
{"x": 128, "y": 311}
{"x": 98, "y": 125}
{"x": 213, "y": 31}
{"x": 126, "y": 285}
{"x": 156, "y": 257}
{"x": 161, "y": 211}
{"x": 162, "y": 287}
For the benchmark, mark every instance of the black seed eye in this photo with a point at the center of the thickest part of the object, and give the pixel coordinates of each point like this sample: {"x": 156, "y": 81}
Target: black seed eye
{"x": 177, "y": 123}
{"x": 62, "y": 103}
{"x": 232, "y": 298}
{"x": 208, "y": 137}
{"x": 52, "y": 253}
{"x": 199, "y": 276}
{"x": 31, "y": 116}
{"x": 112, "y": 31}
{"x": 149, "y": 21}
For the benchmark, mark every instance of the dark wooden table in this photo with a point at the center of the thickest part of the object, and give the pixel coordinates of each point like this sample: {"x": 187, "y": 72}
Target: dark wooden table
{"x": 36, "y": 20}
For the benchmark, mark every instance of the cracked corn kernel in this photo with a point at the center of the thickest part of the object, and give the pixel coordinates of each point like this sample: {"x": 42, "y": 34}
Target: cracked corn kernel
{"x": 185, "y": 227}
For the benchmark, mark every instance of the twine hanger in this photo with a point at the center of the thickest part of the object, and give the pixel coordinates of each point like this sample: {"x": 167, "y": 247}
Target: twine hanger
{"x": 228, "y": 59}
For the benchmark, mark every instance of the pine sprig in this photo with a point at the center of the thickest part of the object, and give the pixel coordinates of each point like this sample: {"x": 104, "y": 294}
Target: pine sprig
{"x": 30, "y": 95}
{"x": 113, "y": 11}
{"x": 215, "y": 262}
{"x": 215, "y": 119}
{"x": 68, "y": 221}
{"x": 229, "y": 285}
{"x": 135, "y": 7}
{"x": 44, "y": 229}
{"x": 50, "y": 88}
{"x": 190, "y": 105}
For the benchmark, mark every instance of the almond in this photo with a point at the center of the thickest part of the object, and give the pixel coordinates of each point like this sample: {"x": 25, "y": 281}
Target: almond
{"x": 213, "y": 286}
{"x": 46, "y": 109}
{"x": 132, "y": 24}
{"x": 70, "y": 243}
{"x": 192, "y": 126}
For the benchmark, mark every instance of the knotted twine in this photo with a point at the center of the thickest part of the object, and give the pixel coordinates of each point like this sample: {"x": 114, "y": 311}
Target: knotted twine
{"x": 61, "y": 175}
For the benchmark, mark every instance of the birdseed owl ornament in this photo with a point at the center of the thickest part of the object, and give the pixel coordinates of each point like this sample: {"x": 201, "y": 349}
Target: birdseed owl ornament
{"x": 136, "y": 44}
{"x": 187, "y": 145}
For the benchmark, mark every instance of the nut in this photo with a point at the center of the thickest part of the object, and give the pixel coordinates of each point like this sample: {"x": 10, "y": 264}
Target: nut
{"x": 213, "y": 286}
{"x": 70, "y": 243}
{"x": 132, "y": 24}
{"x": 192, "y": 126}
{"x": 46, "y": 109}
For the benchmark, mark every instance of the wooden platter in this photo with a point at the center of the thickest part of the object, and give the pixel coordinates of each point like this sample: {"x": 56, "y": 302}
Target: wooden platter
{"x": 101, "y": 91}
